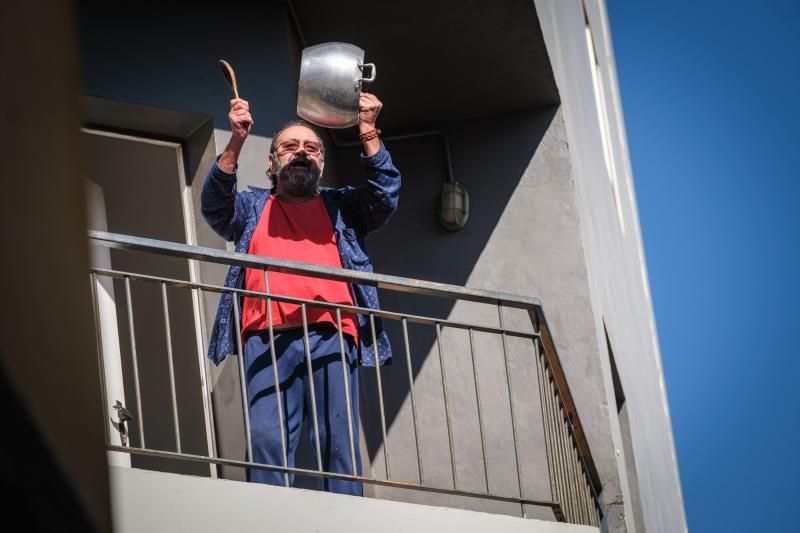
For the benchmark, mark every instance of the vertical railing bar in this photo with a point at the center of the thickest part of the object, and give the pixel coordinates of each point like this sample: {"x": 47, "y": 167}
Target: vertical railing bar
{"x": 559, "y": 454}
{"x": 579, "y": 502}
{"x": 548, "y": 448}
{"x": 577, "y": 478}
{"x": 579, "y": 487}
{"x": 312, "y": 388}
{"x": 548, "y": 424}
{"x": 207, "y": 378}
{"x": 584, "y": 492}
{"x": 136, "y": 385}
{"x": 380, "y": 394}
{"x": 575, "y": 472}
{"x": 276, "y": 380}
{"x": 242, "y": 377}
{"x": 569, "y": 493}
{"x": 345, "y": 378}
{"x": 587, "y": 494}
{"x": 583, "y": 462}
{"x": 511, "y": 407}
{"x": 413, "y": 401}
{"x": 592, "y": 500}
{"x": 100, "y": 363}
{"x": 170, "y": 362}
{"x": 480, "y": 412}
{"x": 563, "y": 496}
{"x": 568, "y": 462}
{"x": 565, "y": 452}
{"x": 596, "y": 509}
{"x": 446, "y": 405}
{"x": 548, "y": 398}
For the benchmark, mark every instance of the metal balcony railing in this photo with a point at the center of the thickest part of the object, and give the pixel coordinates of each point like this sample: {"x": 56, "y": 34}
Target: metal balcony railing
{"x": 572, "y": 478}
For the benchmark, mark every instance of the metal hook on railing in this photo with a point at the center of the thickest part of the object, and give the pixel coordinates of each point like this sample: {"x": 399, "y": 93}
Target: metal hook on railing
{"x": 123, "y": 416}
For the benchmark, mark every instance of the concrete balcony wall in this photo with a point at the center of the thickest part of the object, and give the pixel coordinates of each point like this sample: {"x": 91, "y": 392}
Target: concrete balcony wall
{"x": 171, "y": 503}
{"x": 52, "y": 460}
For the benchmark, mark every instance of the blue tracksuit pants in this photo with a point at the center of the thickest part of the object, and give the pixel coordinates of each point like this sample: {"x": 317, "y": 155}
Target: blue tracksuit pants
{"x": 295, "y": 389}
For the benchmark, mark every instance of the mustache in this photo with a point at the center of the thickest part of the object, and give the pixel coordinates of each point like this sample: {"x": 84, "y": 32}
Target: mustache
{"x": 301, "y": 161}
{"x": 300, "y": 183}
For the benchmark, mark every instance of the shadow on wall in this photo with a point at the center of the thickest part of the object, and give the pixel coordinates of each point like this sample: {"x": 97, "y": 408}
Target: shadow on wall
{"x": 490, "y": 157}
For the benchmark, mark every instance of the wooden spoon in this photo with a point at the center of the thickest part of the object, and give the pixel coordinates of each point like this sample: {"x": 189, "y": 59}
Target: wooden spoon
{"x": 230, "y": 76}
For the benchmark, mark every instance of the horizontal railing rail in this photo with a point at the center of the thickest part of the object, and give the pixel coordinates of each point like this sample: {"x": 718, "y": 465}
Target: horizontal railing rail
{"x": 316, "y": 303}
{"x": 382, "y": 281}
{"x": 573, "y": 481}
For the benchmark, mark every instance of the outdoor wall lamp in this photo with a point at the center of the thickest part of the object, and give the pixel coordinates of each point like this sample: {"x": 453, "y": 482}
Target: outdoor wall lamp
{"x": 453, "y": 206}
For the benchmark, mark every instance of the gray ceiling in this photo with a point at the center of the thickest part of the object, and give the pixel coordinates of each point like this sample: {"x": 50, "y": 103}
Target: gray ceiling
{"x": 441, "y": 60}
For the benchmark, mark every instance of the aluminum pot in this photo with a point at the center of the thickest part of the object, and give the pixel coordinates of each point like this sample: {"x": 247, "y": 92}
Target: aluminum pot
{"x": 331, "y": 76}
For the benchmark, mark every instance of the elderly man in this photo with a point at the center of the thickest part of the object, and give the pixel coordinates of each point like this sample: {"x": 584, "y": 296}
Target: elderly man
{"x": 299, "y": 220}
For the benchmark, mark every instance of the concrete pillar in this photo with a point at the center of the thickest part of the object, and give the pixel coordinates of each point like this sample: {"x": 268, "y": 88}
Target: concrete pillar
{"x": 48, "y": 355}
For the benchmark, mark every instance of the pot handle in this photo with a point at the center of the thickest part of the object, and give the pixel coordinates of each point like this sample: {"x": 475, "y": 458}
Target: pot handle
{"x": 373, "y": 72}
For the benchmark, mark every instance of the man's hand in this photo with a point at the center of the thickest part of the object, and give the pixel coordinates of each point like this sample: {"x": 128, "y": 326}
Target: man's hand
{"x": 240, "y": 118}
{"x": 368, "y": 108}
{"x": 241, "y": 122}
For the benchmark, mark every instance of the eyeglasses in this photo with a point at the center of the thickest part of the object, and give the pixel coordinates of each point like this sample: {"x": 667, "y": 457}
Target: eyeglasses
{"x": 293, "y": 145}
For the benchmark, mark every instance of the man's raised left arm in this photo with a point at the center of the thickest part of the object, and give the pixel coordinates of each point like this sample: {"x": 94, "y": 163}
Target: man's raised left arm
{"x": 377, "y": 200}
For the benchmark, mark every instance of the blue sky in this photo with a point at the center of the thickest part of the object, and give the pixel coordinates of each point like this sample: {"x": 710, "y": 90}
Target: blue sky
{"x": 710, "y": 95}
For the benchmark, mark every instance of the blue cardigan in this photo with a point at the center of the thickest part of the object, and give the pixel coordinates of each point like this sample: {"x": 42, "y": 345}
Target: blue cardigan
{"x": 354, "y": 212}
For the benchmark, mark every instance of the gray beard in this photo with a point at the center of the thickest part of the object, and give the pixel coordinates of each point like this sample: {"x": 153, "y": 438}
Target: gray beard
{"x": 299, "y": 183}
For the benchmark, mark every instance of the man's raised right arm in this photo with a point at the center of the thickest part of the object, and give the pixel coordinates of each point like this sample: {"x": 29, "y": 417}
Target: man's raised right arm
{"x": 220, "y": 204}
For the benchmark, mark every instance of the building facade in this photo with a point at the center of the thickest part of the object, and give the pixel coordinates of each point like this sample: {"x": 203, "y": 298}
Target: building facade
{"x": 517, "y": 101}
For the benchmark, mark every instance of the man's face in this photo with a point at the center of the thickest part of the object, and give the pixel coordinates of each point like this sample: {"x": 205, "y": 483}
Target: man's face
{"x": 297, "y": 162}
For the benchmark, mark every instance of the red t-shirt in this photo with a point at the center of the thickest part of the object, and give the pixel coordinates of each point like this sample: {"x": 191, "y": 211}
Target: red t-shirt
{"x": 297, "y": 232}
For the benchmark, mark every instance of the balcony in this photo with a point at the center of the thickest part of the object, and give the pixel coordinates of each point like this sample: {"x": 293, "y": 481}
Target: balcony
{"x": 473, "y": 413}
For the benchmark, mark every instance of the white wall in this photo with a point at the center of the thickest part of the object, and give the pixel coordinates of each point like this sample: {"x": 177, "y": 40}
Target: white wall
{"x": 614, "y": 254}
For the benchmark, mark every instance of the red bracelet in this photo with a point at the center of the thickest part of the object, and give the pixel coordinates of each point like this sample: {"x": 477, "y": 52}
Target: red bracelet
{"x": 369, "y": 135}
